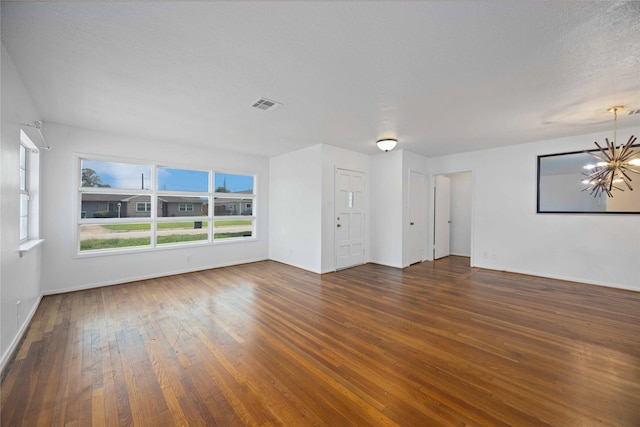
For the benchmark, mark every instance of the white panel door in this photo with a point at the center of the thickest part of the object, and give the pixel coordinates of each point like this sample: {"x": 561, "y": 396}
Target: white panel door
{"x": 349, "y": 224}
{"x": 417, "y": 216}
{"x": 442, "y": 217}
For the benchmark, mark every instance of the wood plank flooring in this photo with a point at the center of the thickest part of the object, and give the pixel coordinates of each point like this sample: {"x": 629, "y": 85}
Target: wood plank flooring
{"x": 266, "y": 344}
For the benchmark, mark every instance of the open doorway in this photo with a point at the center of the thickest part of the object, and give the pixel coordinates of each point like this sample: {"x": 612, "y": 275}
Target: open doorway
{"x": 452, "y": 216}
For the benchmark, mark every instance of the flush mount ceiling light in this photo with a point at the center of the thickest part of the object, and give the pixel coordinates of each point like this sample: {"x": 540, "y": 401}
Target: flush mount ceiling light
{"x": 386, "y": 144}
{"x": 614, "y": 164}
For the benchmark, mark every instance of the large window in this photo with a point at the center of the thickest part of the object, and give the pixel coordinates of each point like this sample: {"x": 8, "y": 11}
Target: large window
{"x": 29, "y": 171}
{"x": 145, "y": 206}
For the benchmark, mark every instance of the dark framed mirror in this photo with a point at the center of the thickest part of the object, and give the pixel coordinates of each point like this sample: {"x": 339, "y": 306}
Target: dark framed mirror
{"x": 562, "y": 187}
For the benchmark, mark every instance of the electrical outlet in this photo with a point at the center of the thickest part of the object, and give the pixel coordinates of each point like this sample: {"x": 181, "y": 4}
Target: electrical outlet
{"x": 493, "y": 256}
{"x": 485, "y": 255}
{"x": 188, "y": 258}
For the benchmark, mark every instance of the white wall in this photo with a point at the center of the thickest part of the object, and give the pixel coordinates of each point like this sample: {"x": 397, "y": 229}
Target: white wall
{"x": 19, "y": 276}
{"x": 302, "y": 205}
{"x": 386, "y": 195}
{"x": 509, "y": 235}
{"x": 295, "y": 208}
{"x": 64, "y": 270}
{"x": 460, "y": 237}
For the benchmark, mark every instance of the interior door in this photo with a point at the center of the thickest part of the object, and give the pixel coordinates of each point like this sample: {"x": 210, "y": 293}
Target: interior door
{"x": 442, "y": 217}
{"x": 349, "y": 224}
{"x": 417, "y": 216}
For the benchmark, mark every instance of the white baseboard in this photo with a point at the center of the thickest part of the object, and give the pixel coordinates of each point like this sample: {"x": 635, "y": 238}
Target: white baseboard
{"x": 565, "y": 278}
{"x": 459, "y": 254}
{"x": 147, "y": 276}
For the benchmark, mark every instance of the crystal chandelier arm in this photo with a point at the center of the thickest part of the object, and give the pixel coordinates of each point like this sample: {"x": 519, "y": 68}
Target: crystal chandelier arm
{"x": 611, "y": 148}
{"x": 598, "y": 156}
{"x": 626, "y": 149}
{"x": 605, "y": 153}
{"x": 625, "y": 178}
{"x": 610, "y": 176}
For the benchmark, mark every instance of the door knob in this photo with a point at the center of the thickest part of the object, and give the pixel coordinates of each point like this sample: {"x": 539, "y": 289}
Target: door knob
{"x": 410, "y": 223}
{"x": 338, "y": 226}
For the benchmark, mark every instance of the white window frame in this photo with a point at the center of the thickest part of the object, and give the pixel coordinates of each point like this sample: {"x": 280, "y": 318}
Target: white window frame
{"x": 147, "y": 206}
{"x": 29, "y": 188}
{"x": 155, "y": 217}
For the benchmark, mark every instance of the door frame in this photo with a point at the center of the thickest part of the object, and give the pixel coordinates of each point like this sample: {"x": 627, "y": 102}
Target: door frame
{"x": 334, "y": 221}
{"x": 432, "y": 212}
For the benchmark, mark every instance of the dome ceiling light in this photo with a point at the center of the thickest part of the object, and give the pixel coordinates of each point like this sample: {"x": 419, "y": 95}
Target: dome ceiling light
{"x": 386, "y": 144}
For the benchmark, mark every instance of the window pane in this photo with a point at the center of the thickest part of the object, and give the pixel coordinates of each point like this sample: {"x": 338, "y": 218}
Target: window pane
{"x": 232, "y": 228}
{"x": 23, "y": 157}
{"x": 24, "y": 228}
{"x": 24, "y": 216}
{"x": 24, "y": 204}
{"x": 170, "y": 206}
{"x": 23, "y": 180}
{"x": 23, "y": 168}
{"x": 115, "y": 175}
{"x": 229, "y": 206}
{"x": 238, "y": 184}
{"x": 114, "y": 236}
{"x": 115, "y": 206}
{"x": 183, "y": 180}
{"x": 143, "y": 207}
{"x": 180, "y": 232}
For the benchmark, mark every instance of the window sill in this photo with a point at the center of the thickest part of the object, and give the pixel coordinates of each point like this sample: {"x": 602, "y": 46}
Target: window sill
{"x": 28, "y": 245}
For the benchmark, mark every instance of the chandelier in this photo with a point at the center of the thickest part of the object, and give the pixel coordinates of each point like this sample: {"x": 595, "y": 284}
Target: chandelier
{"x": 615, "y": 164}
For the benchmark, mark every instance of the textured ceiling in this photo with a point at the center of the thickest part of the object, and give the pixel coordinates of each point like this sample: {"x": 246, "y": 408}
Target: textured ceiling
{"x": 442, "y": 77}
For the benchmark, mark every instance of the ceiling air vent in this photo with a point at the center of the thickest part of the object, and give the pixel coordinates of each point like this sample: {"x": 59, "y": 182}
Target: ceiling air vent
{"x": 633, "y": 112}
{"x": 266, "y": 104}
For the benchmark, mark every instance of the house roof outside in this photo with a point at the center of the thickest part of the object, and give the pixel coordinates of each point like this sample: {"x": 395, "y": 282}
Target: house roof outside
{"x": 89, "y": 197}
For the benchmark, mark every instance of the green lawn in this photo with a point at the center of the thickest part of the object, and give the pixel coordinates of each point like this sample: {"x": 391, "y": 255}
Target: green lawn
{"x": 94, "y": 244}
{"x": 177, "y": 238}
{"x": 173, "y": 225}
{"x": 228, "y": 222}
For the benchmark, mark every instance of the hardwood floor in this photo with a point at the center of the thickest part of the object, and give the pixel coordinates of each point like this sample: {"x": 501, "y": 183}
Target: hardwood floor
{"x": 266, "y": 344}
